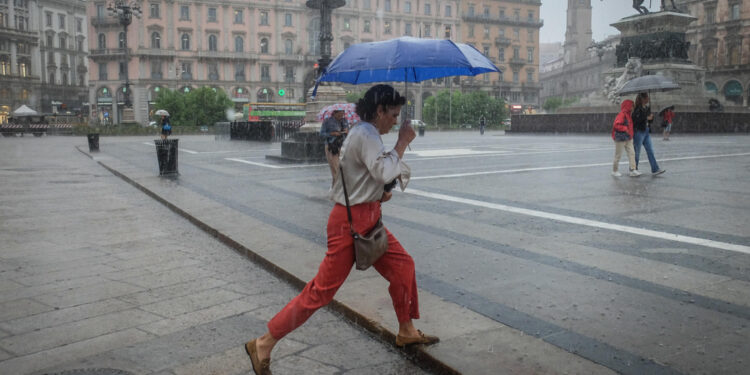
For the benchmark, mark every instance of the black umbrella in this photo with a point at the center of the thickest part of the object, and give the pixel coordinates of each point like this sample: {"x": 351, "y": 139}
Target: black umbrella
{"x": 651, "y": 83}
{"x": 661, "y": 113}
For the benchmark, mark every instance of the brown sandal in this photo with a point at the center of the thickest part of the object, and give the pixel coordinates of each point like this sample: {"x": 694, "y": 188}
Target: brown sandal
{"x": 421, "y": 339}
{"x": 259, "y": 367}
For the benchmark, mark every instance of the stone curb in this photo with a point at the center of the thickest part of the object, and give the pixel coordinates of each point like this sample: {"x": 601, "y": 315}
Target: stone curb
{"x": 418, "y": 355}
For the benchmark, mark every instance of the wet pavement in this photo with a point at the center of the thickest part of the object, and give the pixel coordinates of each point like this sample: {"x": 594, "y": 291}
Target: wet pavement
{"x": 97, "y": 278}
{"x": 530, "y": 257}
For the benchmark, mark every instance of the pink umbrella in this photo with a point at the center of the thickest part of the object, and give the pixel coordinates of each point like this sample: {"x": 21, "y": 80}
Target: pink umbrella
{"x": 349, "y": 112}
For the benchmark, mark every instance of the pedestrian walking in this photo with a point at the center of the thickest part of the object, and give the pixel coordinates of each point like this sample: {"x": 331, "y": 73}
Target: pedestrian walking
{"x": 367, "y": 167}
{"x": 642, "y": 118}
{"x": 667, "y": 116}
{"x": 166, "y": 127}
{"x": 333, "y": 131}
{"x": 622, "y": 134}
{"x": 482, "y": 124}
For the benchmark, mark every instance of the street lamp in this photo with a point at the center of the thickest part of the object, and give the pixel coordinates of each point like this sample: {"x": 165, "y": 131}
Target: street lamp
{"x": 125, "y": 12}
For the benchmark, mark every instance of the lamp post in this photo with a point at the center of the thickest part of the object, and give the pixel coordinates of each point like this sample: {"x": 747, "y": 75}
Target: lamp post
{"x": 125, "y": 11}
{"x": 326, "y": 36}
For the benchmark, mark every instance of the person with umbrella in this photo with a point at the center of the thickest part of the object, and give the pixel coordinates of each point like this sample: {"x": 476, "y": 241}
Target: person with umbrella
{"x": 166, "y": 126}
{"x": 642, "y": 118}
{"x": 622, "y": 134}
{"x": 366, "y": 167}
{"x": 667, "y": 115}
{"x": 333, "y": 131}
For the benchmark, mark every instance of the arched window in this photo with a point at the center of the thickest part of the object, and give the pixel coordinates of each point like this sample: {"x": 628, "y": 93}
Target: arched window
{"x": 23, "y": 69}
{"x": 102, "y": 41}
{"x": 239, "y": 44}
{"x": 288, "y": 46}
{"x": 734, "y": 55}
{"x": 51, "y": 78}
{"x": 122, "y": 39}
{"x": 185, "y": 42}
{"x": 263, "y": 45}
{"x": 155, "y": 40}
{"x": 212, "y": 44}
{"x": 4, "y": 67}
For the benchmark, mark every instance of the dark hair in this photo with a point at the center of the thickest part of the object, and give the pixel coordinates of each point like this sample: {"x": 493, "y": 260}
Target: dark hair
{"x": 639, "y": 99}
{"x": 385, "y": 95}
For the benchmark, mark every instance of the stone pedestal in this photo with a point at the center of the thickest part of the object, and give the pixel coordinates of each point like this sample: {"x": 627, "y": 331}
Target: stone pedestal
{"x": 128, "y": 116}
{"x": 651, "y": 44}
{"x": 307, "y": 145}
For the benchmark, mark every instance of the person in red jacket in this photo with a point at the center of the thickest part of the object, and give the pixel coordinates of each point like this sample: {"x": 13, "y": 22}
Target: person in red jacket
{"x": 666, "y": 123}
{"x": 622, "y": 134}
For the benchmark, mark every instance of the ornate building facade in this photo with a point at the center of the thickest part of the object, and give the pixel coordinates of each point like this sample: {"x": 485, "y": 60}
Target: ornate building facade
{"x": 580, "y": 71}
{"x": 250, "y": 49}
{"x": 43, "y": 55}
{"x": 720, "y": 43}
{"x": 506, "y": 31}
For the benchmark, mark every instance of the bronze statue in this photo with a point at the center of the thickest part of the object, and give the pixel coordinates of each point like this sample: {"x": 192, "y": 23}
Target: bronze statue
{"x": 638, "y": 5}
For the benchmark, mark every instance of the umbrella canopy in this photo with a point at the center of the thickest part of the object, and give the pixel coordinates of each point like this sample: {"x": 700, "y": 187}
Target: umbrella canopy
{"x": 162, "y": 112}
{"x": 349, "y": 109}
{"x": 24, "y": 111}
{"x": 666, "y": 108}
{"x": 405, "y": 59}
{"x": 648, "y": 84}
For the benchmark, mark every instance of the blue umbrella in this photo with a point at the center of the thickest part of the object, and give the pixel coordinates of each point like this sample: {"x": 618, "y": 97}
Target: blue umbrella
{"x": 405, "y": 59}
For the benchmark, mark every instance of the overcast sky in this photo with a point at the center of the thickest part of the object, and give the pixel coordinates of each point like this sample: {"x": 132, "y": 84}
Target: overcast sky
{"x": 554, "y": 15}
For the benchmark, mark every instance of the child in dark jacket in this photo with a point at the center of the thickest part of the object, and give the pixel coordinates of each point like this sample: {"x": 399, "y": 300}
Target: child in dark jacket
{"x": 622, "y": 134}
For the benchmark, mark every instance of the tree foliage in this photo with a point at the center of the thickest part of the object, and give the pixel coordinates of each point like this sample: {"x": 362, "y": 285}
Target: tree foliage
{"x": 202, "y": 106}
{"x": 354, "y": 96}
{"x": 553, "y": 103}
{"x": 446, "y": 111}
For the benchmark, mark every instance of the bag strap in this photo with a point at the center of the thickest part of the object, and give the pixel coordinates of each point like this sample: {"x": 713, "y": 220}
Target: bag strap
{"x": 346, "y": 197}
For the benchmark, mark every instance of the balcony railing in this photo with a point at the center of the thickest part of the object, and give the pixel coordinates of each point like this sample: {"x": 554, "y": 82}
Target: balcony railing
{"x": 517, "y": 61}
{"x": 291, "y": 58}
{"x": 16, "y": 33}
{"x": 155, "y": 52}
{"x": 108, "y": 53}
{"x": 524, "y": 22}
{"x": 104, "y": 21}
{"x": 227, "y": 55}
{"x": 502, "y": 41}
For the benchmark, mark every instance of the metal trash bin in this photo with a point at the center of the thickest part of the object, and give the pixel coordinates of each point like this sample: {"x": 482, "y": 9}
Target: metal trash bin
{"x": 93, "y": 142}
{"x": 166, "y": 154}
{"x": 421, "y": 130}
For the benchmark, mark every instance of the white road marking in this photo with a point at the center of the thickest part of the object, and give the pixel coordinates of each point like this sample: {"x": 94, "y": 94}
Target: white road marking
{"x": 273, "y": 166}
{"x": 587, "y": 222}
{"x": 565, "y": 167}
{"x": 188, "y": 151}
{"x": 508, "y": 153}
{"x": 452, "y": 152}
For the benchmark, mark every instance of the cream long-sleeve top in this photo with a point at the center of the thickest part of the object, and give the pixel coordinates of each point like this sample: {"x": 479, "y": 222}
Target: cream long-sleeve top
{"x": 367, "y": 167}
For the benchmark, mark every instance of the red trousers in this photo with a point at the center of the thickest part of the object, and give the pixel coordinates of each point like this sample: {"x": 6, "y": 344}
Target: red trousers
{"x": 396, "y": 265}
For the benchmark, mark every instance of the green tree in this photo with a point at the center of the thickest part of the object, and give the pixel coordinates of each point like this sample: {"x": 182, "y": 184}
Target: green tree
{"x": 353, "y": 97}
{"x": 463, "y": 109}
{"x": 202, "y": 106}
{"x": 206, "y": 106}
{"x": 552, "y": 104}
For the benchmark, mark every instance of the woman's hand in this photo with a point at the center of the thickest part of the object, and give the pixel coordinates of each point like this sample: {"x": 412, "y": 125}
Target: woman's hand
{"x": 386, "y": 196}
{"x": 406, "y": 134}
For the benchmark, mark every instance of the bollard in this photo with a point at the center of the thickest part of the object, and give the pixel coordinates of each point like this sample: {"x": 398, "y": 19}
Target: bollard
{"x": 93, "y": 142}
{"x": 166, "y": 154}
